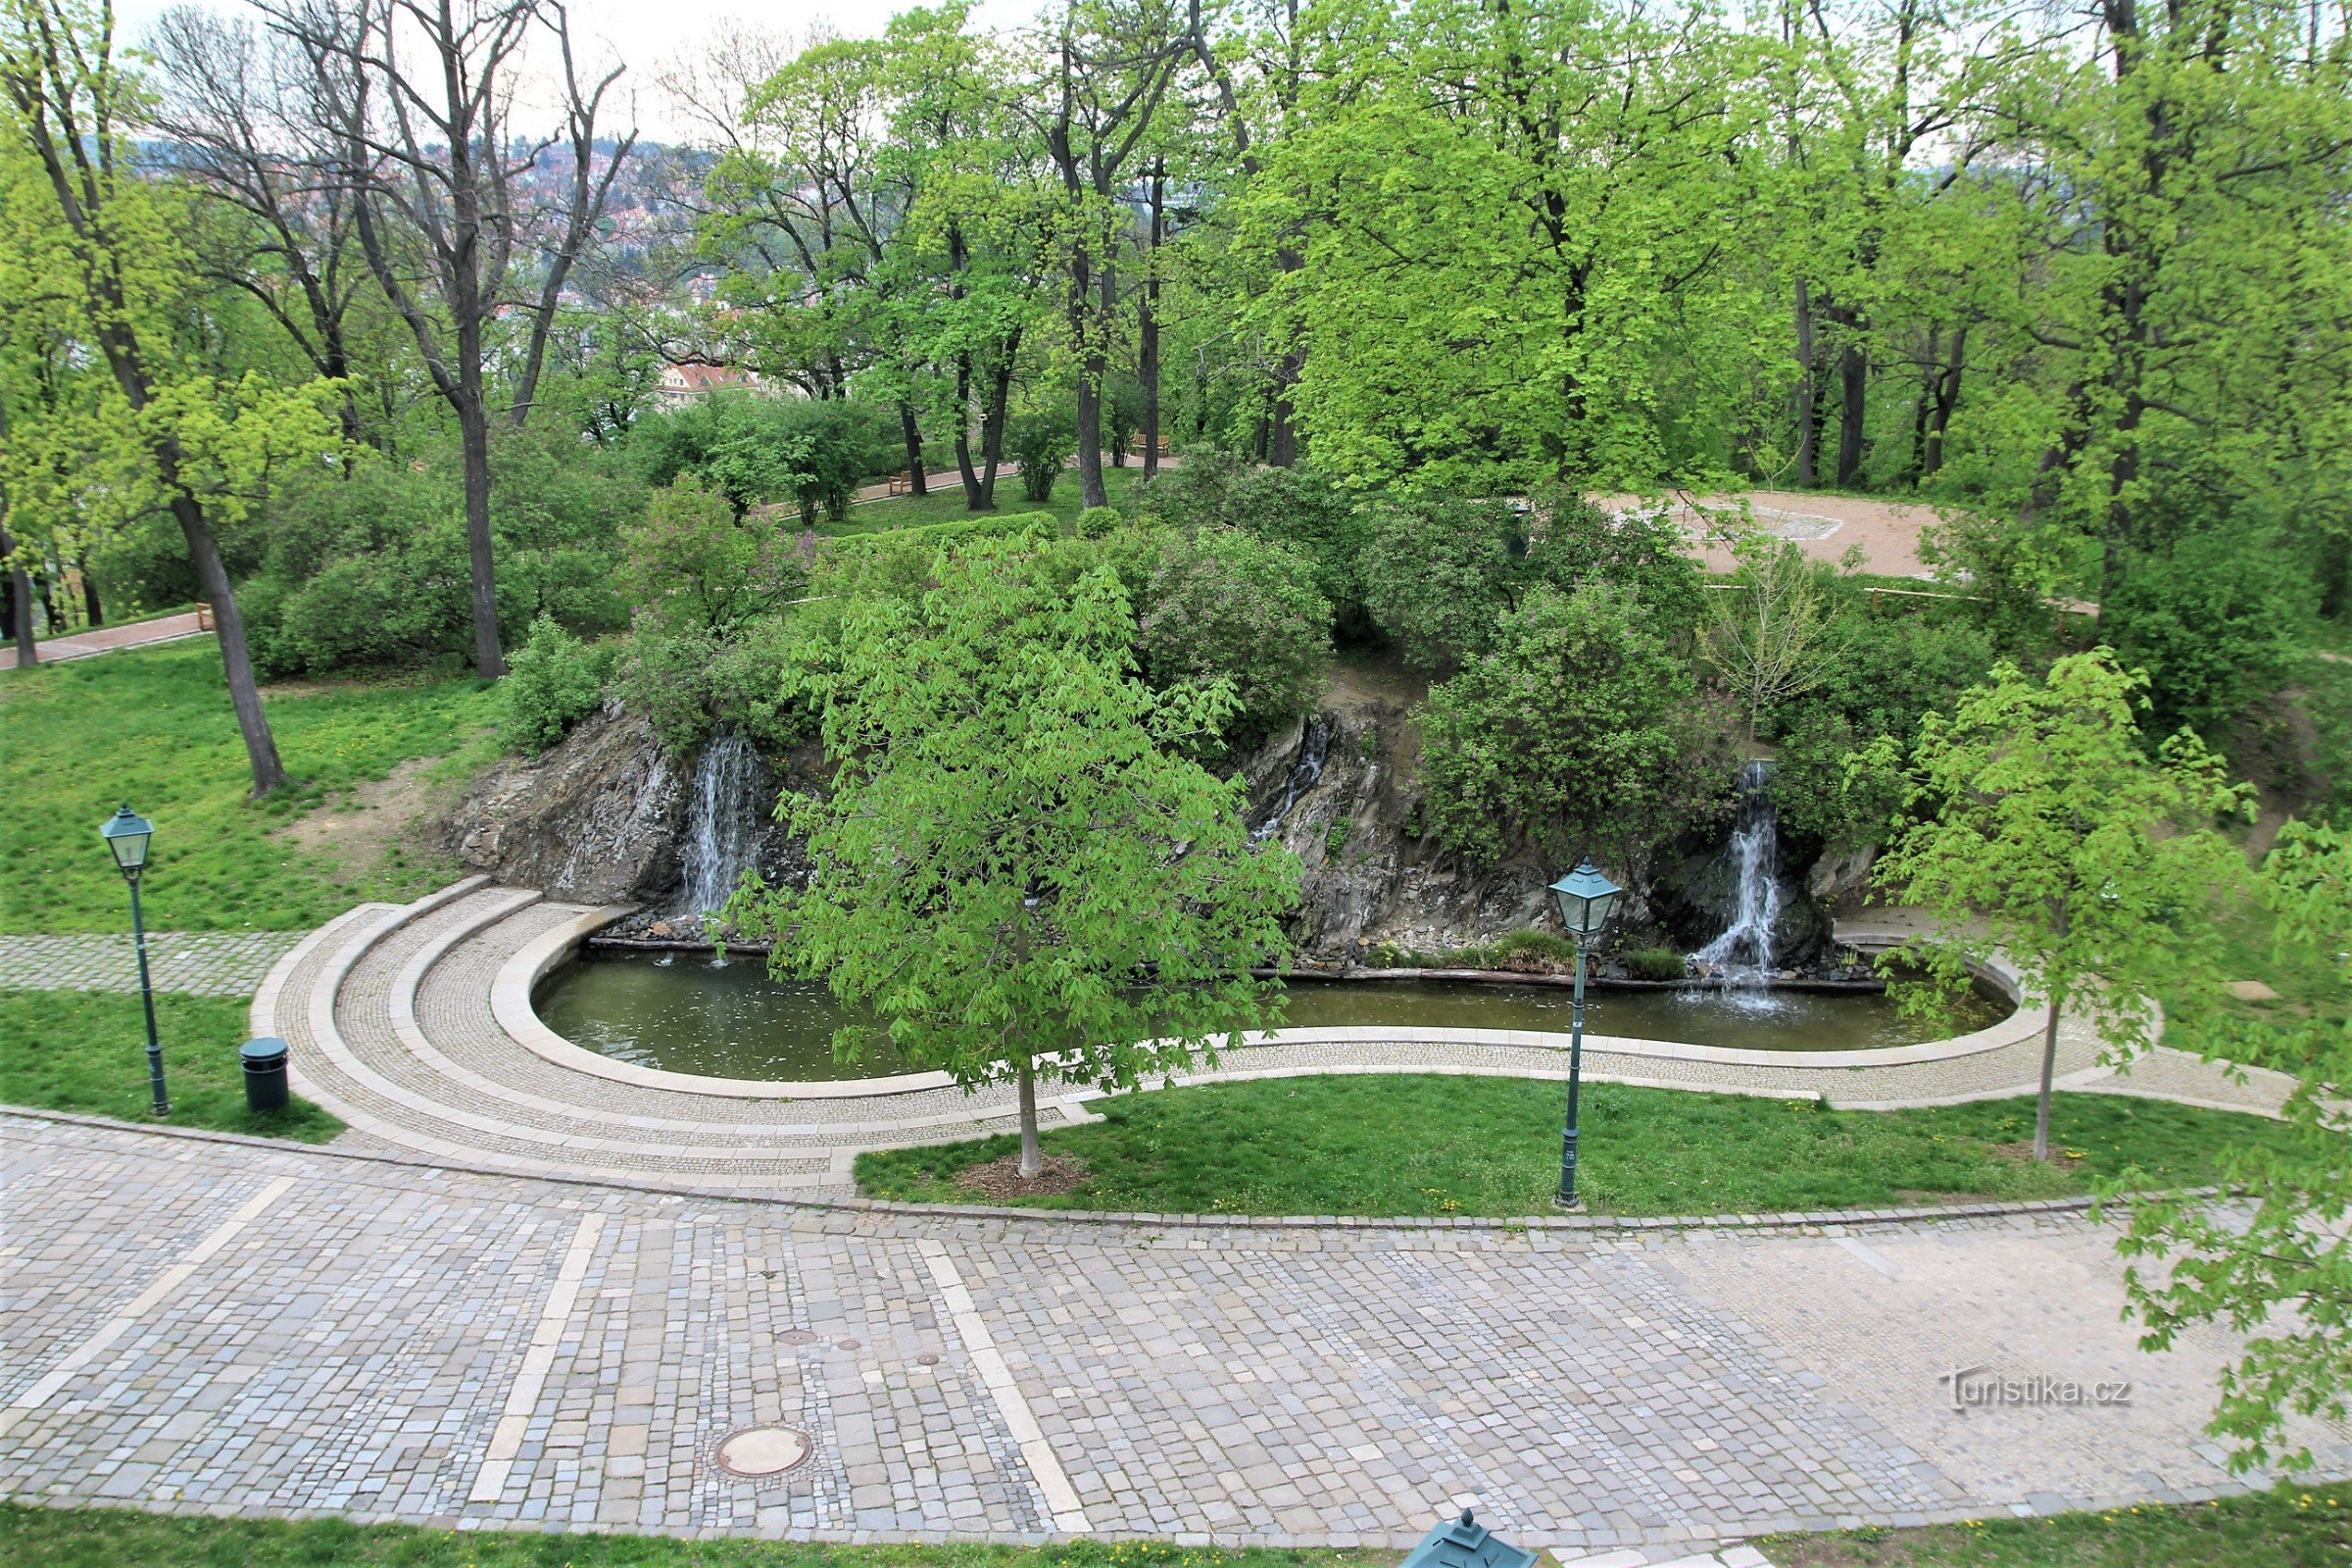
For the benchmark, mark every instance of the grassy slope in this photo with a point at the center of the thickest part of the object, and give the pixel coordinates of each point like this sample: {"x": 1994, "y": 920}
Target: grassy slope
{"x": 2285, "y": 1529}
{"x": 87, "y": 1051}
{"x": 154, "y": 726}
{"x": 946, "y": 503}
{"x": 108, "y": 1538}
{"x": 2290, "y": 1528}
{"x": 1411, "y": 1145}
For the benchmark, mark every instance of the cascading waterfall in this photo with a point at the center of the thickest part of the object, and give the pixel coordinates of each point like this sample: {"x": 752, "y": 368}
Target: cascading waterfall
{"x": 725, "y": 819}
{"x": 1743, "y": 954}
{"x": 1303, "y": 775}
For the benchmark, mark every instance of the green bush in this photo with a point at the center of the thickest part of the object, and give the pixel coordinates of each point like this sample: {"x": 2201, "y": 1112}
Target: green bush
{"x": 553, "y": 681}
{"x": 1546, "y": 945}
{"x": 1294, "y": 506}
{"x": 1097, "y": 523}
{"x": 692, "y": 565}
{"x": 754, "y": 448}
{"x": 1654, "y": 964}
{"x": 1222, "y": 603}
{"x": 669, "y": 679}
{"x": 1040, "y": 443}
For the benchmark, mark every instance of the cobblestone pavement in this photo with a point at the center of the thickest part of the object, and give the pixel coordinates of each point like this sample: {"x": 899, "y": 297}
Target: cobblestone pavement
{"x": 413, "y": 1026}
{"x": 214, "y": 1325}
{"x": 202, "y": 963}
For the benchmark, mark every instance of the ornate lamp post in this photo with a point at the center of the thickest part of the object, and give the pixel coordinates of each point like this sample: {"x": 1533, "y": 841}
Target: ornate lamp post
{"x": 126, "y": 834}
{"x": 1587, "y": 900}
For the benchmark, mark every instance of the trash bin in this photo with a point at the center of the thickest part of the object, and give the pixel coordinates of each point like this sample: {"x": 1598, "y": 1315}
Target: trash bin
{"x": 264, "y": 1074}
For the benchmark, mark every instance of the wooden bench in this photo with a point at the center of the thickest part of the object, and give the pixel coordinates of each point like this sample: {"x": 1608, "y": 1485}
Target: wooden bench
{"x": 204, "y": 615}
{"x": 899, "y": 484}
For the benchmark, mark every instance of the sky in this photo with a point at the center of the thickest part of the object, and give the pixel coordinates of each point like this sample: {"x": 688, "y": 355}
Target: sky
{"x": 646, "y": 35}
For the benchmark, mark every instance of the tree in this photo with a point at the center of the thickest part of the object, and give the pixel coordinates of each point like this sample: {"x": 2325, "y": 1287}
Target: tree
{"x": 109, "y": 244}
{"x": 436, "y": 176}
{"x": 1571, "y": 732}
{"x": 695, "y": 568}
{"x": 2279, "y": 1259}
{"x": 2041, "y": 818}
{"x": 1775, "y": 632}
{"x": 1013, "y": 869}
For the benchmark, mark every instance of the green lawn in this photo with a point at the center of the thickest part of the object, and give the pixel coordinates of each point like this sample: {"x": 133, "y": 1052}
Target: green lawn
{"x": 945, "y": 502}
{"x": 2289, "y": 1528}
{"x": 1381, "y": 1144}
{"x": 113, "y": 1538}
{"x": 87, "y": 1051}
{"x": 154, "y": 727}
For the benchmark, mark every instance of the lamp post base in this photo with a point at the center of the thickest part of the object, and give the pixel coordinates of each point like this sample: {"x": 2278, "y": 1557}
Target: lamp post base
{"x": 1573, "y": 1206}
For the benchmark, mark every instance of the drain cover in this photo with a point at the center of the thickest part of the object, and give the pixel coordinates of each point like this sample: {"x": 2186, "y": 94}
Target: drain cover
{"x": 763, "y": 1451}
{"x": 797, "y": 1337}
{"x": 926, "y": 1359}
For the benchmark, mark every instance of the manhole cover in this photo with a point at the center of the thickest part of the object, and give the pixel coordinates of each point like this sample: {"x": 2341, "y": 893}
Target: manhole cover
{"x": 797, "y": 1337}
{"x": 845, "y": 1344}
{"x": 926, "y": 1359}
{"x": 763, "y": 1451}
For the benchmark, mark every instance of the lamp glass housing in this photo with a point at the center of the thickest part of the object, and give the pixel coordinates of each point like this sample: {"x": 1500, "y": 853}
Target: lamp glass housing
{"x": 1587, "y": 900}
{"x": 126, "y": 834}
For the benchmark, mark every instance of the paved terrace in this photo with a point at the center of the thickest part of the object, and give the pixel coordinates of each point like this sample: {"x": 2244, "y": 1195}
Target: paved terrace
{"x": 206, "y": 1324}
{"x": 414, "y": 1024}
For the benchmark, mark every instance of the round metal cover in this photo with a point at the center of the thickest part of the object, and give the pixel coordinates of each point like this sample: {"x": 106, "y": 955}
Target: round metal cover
{"x": 797, "y": 1337}
{"x": 926, "y": 1359}
{"x": 758, "y": 1451}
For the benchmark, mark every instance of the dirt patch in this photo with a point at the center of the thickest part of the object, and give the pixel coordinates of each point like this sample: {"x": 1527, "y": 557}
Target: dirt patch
{"x": 2021, "y": 1154}
{"x": 359, "y": 826}
{"x": 1002, "y": 1179}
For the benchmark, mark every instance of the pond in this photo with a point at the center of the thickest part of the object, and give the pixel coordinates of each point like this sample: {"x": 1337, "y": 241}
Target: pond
{"x": 684, "y": 1012}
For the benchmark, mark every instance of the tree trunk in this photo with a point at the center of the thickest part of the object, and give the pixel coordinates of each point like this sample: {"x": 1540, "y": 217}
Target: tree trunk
{"x": 19, "y": 610}
{"x": 474, "y": 434}
{"x": 1808, "y": 398}
{"x": 912, "y": 435}
{"x": 1031, "y": 1161}
{"x": 89, "y": 596}
{"x": 1947, "y": 398}
{"x": 963, "y": 434}
{"x": 1147, "y": 321}
{"x": 1093, "y": 364}
{"x": 1853, "y": 385}
{"x": 2049, "y": 1062}
{"x": 992, "y": 433}
{"x": 261, "y": 747}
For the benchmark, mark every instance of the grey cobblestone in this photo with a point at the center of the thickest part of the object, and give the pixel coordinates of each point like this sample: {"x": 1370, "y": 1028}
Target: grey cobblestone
{"x": 202, "y": 963}
{"x": 352, "y": 1350}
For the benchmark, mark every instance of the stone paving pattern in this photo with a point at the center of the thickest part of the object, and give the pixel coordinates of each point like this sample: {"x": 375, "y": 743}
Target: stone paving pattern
{"x": 351, "y": 1349}
{"x": 201, "y": 964}
{"x": 417, "y": 1058}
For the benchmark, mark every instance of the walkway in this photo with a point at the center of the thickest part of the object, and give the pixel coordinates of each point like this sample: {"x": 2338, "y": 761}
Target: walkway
{"x": 414, "y": 1025}
{"x": 200, "y": 963}
{"x": 106, "y": 639}
{"x": 210, "y": 1324}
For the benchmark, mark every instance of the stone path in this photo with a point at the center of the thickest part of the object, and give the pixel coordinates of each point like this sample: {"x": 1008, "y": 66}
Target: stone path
{"x": 106, "y": 639}
{"x": 201, "y": 964}
{"x": 414, "y": 1024}
{"x": 208, "y": 1324}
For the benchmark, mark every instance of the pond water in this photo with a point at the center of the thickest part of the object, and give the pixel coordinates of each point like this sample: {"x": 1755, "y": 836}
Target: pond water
{"x": 684, "y": 1012}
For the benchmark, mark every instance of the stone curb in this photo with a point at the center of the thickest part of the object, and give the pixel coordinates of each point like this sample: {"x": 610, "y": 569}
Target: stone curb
{"x": 1591, "y": 1224}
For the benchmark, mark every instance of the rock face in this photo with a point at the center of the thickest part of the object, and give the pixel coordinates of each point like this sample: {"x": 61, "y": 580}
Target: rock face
{"x": 607, "y": 816}
{"x": 1341, "y": 791}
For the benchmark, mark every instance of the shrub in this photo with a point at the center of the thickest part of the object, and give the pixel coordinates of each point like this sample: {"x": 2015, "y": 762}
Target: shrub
{"x": 553, "y": 681}
{"x": 2214, "y": 620}
{"x": 1040, "y": 443}
{"x": 1546, "y": 945}
{"x": 693, "y": 564}
{"x": 1224, "y": 604}
{"x": 754, "y": 448}
{"x": 1295, "y": 506}
{"x": 1654, "y": 964}
{"x": 669, "y": 679}
{"x": 1097, "y": 523}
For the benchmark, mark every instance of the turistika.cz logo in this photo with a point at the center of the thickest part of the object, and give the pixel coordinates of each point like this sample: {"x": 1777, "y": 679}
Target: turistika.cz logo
{"x": 1977, "y": 1387}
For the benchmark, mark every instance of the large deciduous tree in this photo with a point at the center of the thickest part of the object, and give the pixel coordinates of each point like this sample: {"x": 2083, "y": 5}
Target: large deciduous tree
{"x": 1015, "y": 867}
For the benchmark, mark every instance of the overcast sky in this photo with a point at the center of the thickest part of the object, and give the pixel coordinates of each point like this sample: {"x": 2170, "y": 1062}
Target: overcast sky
{"x": 645, "y": 34}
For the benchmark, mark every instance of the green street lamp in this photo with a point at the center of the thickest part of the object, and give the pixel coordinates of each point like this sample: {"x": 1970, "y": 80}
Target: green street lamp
{"x": 126, "y": 834}
{"x": 1587, "y": 900}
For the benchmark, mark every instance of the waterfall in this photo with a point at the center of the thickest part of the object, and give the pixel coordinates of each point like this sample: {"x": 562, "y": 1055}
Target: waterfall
{"x": 1303, "y": 775}
{"x": 1742, "y": 953}
{"x": 726, "y": 815}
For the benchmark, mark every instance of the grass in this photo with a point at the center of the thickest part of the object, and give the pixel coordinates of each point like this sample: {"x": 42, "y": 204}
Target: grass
{"x": 1391, "y": 1144}
{"x": 944, "y": 504}
{"x": 86, "y": 1052}
{"x": 2290, "y": 1526}
{"x": 110, "y": 1538}
{"x": 154, "y": 726}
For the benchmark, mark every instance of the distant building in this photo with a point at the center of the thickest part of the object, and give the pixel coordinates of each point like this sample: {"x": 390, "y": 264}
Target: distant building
{"x": 682, "y": 384}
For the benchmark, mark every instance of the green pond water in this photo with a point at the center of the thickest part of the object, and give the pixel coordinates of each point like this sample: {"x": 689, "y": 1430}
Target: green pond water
{"x": 684, "y": 1012}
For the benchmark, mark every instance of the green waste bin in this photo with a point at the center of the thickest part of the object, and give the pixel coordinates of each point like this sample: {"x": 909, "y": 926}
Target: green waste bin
{"x": 264, "y": 1074}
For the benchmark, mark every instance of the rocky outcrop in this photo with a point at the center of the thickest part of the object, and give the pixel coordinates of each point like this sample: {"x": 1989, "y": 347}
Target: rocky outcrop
{"x": 607, "y": 816}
